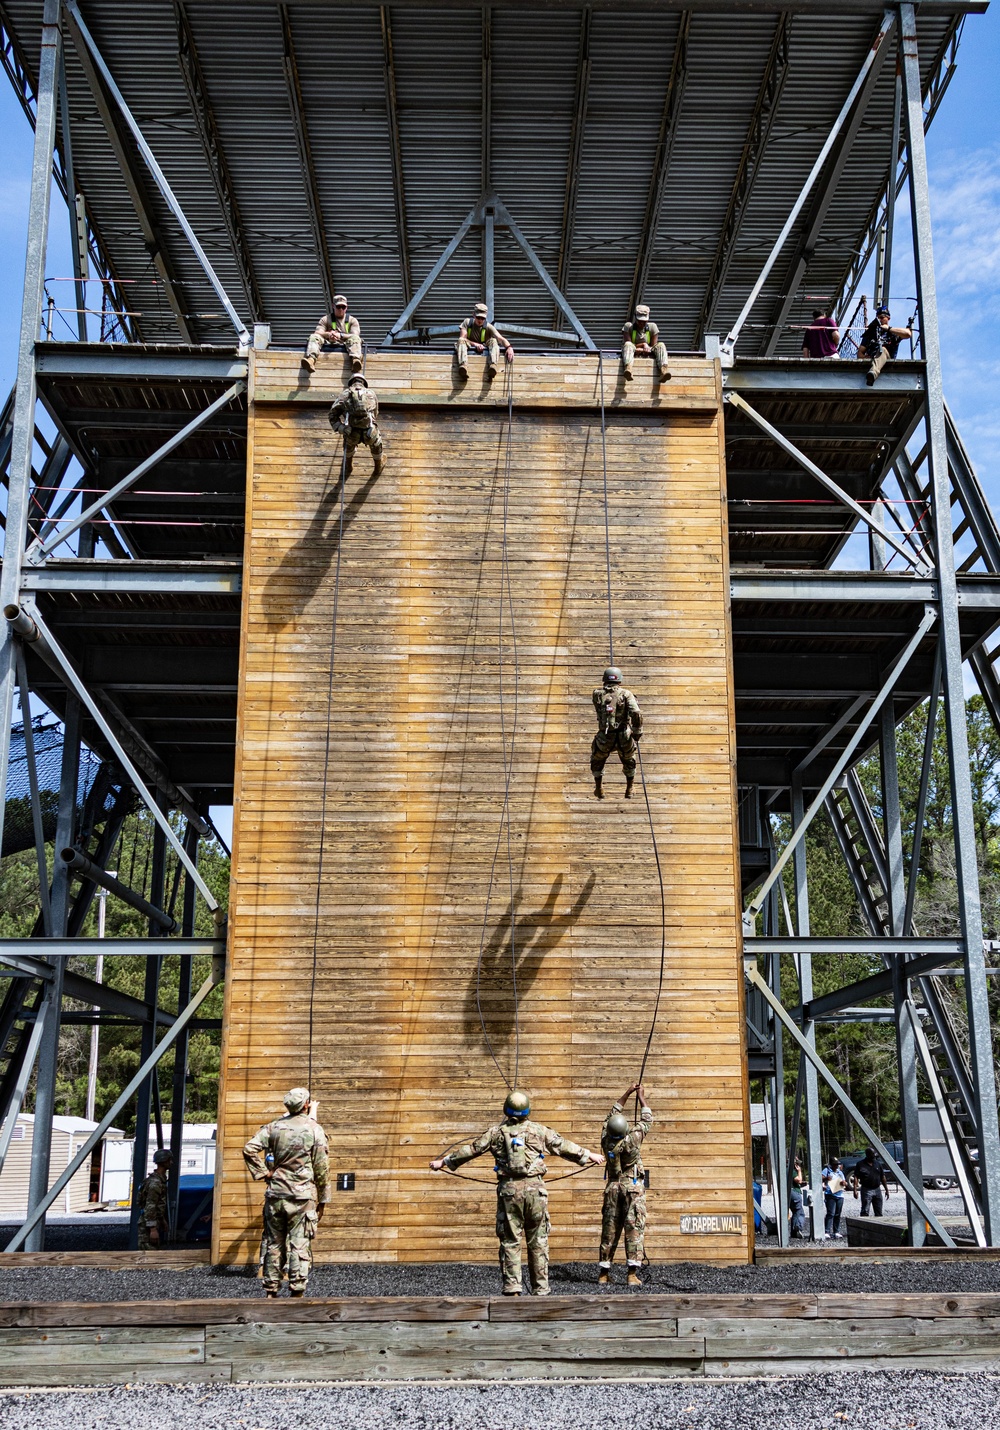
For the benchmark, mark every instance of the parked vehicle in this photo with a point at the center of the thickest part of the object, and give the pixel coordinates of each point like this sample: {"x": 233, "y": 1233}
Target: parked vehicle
{"x": 850, "y": 1161}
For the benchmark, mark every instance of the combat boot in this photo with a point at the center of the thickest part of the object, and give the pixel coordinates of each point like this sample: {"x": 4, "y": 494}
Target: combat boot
{"x": 598, "y": 787}
{"x": 463, "y": 371}
{"x": 357, "y": 364}
{"x": 298, "y": 1293}
{"x": 491, "y": 372}
{"x": 629, "y": 373}
{"x": 379, "y": 467}
{"x": 633, "y": 1278}
{"x": 605, "y": 1278}
{"x": 309, "y": 363}
{"x": 272, "y": 1295}
{"x": 663, "y": 374}
{"x": 629, "y": 782}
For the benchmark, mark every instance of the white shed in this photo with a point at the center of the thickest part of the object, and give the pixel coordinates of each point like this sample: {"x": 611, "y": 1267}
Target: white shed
{"x": 68, "y": 1136}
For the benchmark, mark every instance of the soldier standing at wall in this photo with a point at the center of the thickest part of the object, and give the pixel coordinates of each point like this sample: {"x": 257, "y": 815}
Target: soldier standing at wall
{"x": 354, "y": 416}
{"x": 625, "y": 1192}
{"x": 297, "y": 1190}
{"x": 643, "y": 337}
{"x": 154, "y": 1221}
{"x": 619, "y": 726}
{"x": 336, "y": 329}
{"x": 519, "y": 1148}
{"x": 479, "y": 335}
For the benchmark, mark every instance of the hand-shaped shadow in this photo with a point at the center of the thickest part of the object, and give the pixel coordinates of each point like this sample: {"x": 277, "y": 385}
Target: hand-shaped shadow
{"x": 299, "y": 574}
{"x": 534, "y": 935}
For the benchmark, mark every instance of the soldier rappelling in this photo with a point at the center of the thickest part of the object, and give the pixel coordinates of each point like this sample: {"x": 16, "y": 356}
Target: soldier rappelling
{"x": 619, "y": 726}
{"x": 354, "y": 415}
{"x": 625, "y": 1192}
{"x": 519, "y": 1148}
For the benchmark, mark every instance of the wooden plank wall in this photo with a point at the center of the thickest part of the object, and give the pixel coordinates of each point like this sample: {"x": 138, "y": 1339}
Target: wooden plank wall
{"x": 382, "y": 944}
{"x": 586, "y": 1337}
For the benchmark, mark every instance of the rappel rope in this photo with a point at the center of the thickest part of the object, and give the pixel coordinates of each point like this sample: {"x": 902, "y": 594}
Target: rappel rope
{"x": 508, "y": 765}
{"x": 638, "y": 746}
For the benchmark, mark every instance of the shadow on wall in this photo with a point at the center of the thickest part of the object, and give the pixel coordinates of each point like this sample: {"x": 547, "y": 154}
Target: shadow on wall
{"x": 534, "y": 935}
{"x": 299, "y": 574}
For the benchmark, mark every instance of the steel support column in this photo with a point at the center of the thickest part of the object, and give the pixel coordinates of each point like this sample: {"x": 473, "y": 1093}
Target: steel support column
{"x": 953, "y": 691}
{"x": 814, "y": 1152}
{"x": 178, "y": 1098}
{"x": 151, "y": 996}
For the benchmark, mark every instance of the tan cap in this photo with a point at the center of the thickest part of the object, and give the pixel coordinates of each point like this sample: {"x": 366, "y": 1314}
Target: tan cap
{"x": 297, "y": 1099}
{"x": 339, "y": 298}
{"x": 642, "y": 310}
{"x": 482, "y": 308}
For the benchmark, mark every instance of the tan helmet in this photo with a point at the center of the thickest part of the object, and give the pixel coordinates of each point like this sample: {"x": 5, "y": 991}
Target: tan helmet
{"x": 357, "y": 377}
{"x": 642, "y": 310}
{"x": 482, "y": 311}
{"x": 297, "y": 1099}
{"x": 517, "y": 1104}
{"x": 338, "y": 298}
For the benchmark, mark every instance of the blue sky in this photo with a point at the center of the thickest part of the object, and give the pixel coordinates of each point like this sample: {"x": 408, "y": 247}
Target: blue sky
{"x": 964, "y": 156}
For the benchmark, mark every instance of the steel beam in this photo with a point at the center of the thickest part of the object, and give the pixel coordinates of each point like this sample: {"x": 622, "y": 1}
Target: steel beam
{"x": 296, "y": 104}
{"x": 824, "y": 197}
{"x": 970, "y": 911}
{"x": 672, "y": 103}
{"x": 803, "y": 967}
{"x": 395, "y": 151}
{"x": 184, "y": 578}
{"x": 766, "y": 107}
{"x": 122, "y": 364}
{"x": 878, "y": 985}
{"x": 78, "y": 249}
{"x": 159, "y": 178}
{"x": 56, "y": 948}
{"x": 36, "y": 805}
{"x": 580, "y": 107}
{"x": 20, "y": 1237}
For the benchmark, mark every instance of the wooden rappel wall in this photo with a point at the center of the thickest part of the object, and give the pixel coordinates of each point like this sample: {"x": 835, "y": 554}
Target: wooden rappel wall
{"x": 369, "y": 800}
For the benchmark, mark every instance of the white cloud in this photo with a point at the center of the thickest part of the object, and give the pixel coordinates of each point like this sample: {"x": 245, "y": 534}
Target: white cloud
{"x": 965, "y": 206}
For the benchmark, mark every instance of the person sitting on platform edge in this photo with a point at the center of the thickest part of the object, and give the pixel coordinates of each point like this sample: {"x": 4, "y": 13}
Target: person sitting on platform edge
{"x": 353, "y": 416}
{"x": 619, "y": 726}
{"x": 298, "y": 1188}
{"x": 480, "y": 335}
{"x": 869, "y": 1175}
{"x": 879, "y": 342}
{"x": 643, "y": 337}
{"x": 519, "y": 1148}
{"x": 834, "y": 1183}
{"x": 625, "y": 1191}
{"x": 336, "y": 329}
{"x": 822, "y": 338}
{"x": 154, "y": 1221}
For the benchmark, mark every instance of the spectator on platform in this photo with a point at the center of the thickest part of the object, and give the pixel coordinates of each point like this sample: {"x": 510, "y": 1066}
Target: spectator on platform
{"x": 336, "y": 329}
{"x": 834, "y": 1186}
{"x": 880, "y": 342}
{"x": 797, "y": 1201}
{"x": 869, "y": 1175}
{"x": 642, "y": 337}
{"x": 822, "y": 338}
{"x": 478, "y": 335}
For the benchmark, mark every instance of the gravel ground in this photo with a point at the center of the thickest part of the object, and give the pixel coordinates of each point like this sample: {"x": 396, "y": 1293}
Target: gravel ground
{"x": 72, "y": 1283}
{"x": 891, "y": 1400}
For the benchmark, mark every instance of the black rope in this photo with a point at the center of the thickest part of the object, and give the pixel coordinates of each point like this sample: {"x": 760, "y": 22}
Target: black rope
{"x": 508, "y": 768}
{"x": 326, "y": 763}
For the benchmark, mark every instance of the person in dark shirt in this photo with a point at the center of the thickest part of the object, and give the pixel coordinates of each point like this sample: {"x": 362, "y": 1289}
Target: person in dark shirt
{"x": 822, "y": 338}
{"x": 880, "y": 342}
{"x": 869, "y": 1175}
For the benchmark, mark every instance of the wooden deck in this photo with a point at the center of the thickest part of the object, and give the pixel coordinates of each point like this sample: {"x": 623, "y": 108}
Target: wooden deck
{"x": 383, "y": 944}
{"x": 643, "y": 1337}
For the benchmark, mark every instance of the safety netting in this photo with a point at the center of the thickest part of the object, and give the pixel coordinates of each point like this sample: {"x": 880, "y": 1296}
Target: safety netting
{"x": 18, "y": 826}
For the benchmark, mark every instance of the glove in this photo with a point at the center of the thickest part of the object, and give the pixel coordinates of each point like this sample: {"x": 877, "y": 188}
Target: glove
{"x": 637, "y": 735}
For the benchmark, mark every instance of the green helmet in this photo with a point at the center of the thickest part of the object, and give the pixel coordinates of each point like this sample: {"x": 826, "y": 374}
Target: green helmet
{"x": 518, "y": 1104}
{"x": 617, "y": 1125}
{"x": 612, "y": 676}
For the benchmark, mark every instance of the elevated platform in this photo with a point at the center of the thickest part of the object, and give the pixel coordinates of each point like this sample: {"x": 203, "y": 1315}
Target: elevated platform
{"x": 393, "y": 765}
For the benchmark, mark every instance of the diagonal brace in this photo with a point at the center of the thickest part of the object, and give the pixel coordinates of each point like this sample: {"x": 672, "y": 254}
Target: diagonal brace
{"x": 753, "y": 976}
{"x": 473, "y": 216}
{"x": 23, "y": 1078}
{"x": 183, "y": 1019}
{"x": 37, "y": 551}
{"x": 536, "y": 263}
{"x": 735, "y": 400}
{"x": 930, "y": 615}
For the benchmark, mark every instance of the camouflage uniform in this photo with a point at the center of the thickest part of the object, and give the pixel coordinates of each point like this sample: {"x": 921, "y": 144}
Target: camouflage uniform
{"x": 641, "y": 330}
{"x": 334, "y": 332}
{"x": 519, "y": 1149}
{"x": 299, "y": 1181}
{"x": 625, "y": 1193}
{"x": 618, "y": 714}
{"x": 478, "y": 330}
{"x": 354, "y": 415}
{"x": 152, "y": 1201}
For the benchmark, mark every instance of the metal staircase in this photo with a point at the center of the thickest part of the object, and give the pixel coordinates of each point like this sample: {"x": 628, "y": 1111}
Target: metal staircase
{"x": 18, "y": 1011}
{"x": 860, "y": 842}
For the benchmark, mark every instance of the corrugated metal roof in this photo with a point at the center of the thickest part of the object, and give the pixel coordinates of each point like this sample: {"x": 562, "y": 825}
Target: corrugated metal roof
{"x": 535, "y": 58}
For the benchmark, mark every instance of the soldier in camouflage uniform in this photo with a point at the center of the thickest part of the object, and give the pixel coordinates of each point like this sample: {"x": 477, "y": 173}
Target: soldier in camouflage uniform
{"x": 353, "y": 415}
{"x": 336, "y": 329}
{"x": 625, "y": 1192}
{"x": 619, "y": 726}
{"x": 479, "y": 334}
{"x": 154, "y": 1220}
{"x": 518, "y": 1148}
{"x": 643, "y": 337}
{"x": 297, "y": 1190}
